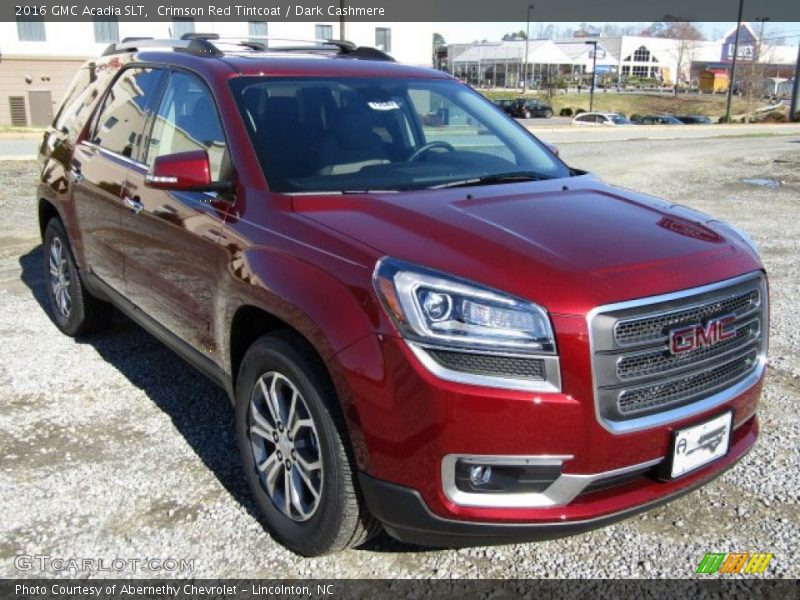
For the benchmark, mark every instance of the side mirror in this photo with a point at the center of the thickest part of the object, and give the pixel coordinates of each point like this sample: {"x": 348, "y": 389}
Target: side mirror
{"x": 186, "y": 171}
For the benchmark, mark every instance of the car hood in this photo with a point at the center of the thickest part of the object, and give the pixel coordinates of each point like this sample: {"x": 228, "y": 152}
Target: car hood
{"x": 568, "y": 244}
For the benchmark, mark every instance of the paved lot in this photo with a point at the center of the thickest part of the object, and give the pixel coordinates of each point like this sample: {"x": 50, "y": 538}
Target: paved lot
{"x": 112, "y": 447}
{"x": 18, "y": 148}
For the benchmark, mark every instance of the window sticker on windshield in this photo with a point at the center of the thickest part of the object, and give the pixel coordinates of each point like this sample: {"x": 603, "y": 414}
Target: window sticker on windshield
{"x": 389, "y": 105}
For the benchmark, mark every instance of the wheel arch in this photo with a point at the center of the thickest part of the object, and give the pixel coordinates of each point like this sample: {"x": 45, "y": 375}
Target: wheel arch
{"x": 47, "y": 211}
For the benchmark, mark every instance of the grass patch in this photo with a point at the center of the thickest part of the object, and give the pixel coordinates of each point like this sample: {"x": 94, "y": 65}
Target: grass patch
{"x": 628, "y": 104}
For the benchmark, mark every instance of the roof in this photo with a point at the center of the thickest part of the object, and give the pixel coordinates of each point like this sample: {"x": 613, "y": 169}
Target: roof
{"x": 539, "y": 52}
{"x": 580, "y": 50}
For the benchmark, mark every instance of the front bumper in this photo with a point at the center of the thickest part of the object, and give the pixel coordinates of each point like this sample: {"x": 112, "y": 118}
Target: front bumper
{"x": 404, "y": 422}
{"x": 406, "y": 517}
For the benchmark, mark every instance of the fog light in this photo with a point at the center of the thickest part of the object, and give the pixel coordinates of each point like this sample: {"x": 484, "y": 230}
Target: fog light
{"x": 480, "y": 474}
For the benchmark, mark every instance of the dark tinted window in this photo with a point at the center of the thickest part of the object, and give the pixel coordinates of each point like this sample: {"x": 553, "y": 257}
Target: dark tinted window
{"x": 81, "y": 98}
{"x": 333, "y": 134}
{"x": 188, "y": 120}
{"x": 121, "y": 121}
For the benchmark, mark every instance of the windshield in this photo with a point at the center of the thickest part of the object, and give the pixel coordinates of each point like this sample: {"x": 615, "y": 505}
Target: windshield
{"x": 358, "y": 134}
{"x": 619, "y": 119}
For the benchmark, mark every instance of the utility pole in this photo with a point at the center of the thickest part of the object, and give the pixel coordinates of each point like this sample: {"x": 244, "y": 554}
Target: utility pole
{"x": 342, "y": 33}
{"x": 593, "y": 44}
{"x": 794, "y": 107}
{"x": 761, "y": 20}
{"x": 733, "y": 64}
{"x": 525, "y": 58}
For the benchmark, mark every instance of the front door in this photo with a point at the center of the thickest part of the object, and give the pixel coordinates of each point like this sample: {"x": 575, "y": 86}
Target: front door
{"x": 173, "y": 259}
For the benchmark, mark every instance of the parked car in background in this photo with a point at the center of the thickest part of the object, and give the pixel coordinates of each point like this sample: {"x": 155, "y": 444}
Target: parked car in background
{"x": 526, "y": 108}
{"x": 600, "y": 118}
{"x": 505, "y": 104}
{"x": 695, "y": 120}
{"x": 658, "y": 120}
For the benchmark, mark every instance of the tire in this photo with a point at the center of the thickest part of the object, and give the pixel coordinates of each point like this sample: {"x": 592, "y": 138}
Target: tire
{"x": 324, "y": 511}
{"x": 527, "y": 114}
{"x": 548, "y": 114}
{"x": 73, "y": 309}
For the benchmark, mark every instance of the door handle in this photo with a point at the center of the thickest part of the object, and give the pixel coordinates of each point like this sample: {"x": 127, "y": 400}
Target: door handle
{"x": 134, "y": 204}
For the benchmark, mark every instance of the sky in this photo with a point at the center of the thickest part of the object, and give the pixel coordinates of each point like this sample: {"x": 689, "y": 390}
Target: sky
{"x": 468, "y": 32}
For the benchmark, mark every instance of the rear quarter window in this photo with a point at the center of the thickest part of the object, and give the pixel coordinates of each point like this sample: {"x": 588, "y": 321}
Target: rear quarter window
{"x": 81, "y": 98}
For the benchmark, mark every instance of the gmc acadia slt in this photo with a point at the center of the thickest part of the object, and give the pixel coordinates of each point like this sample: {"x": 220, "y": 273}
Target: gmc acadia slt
{"x": 424, "y": 318}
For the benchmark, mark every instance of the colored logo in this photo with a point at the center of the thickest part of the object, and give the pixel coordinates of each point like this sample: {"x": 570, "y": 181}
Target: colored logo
{"x": 696, "y": 336}
{"x": 734, "y": 562}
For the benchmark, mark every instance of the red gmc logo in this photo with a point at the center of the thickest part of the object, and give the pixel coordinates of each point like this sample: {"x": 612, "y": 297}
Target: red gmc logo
{"x": 696, "y": 336}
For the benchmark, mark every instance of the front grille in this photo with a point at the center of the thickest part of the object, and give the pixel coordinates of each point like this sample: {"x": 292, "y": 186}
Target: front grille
{"x": 637, "y": 375}
{"x": 490, "y": 365}
{"x": 639, "y": 331}
{"x": 641, "y": 399}
{"x": 654, "y": 362}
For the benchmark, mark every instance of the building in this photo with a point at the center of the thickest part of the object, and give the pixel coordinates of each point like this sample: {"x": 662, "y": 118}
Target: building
{"x": 653, "y": 60}
{"x": 39, "y": 58}
{"x": 582, "y": 53}
{"x": 501, "y": 64}
{"x": 755, "y": 62}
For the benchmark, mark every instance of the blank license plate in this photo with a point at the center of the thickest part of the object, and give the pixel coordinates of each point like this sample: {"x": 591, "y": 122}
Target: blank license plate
{"x": 700, "y": 444}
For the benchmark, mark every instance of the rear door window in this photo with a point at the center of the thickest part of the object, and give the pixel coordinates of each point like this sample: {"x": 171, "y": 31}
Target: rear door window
{"x": 121, "y": 121}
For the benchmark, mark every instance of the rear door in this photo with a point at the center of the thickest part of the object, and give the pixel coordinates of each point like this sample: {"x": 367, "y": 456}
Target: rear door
{"x": 99, "y": 170}
{"x": 173, "y": 258}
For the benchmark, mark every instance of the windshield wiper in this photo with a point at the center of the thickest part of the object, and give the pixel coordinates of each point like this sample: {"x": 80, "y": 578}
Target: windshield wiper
{"x": 496, "y": 178}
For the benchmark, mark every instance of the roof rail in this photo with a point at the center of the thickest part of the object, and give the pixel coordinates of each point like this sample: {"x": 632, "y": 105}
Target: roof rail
{"x": 207, "y": 44}
{"x": 198, "y": 47}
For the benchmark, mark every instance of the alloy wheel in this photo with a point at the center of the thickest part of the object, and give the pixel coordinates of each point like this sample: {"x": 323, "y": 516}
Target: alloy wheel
{"x": 285, "y": 446}
{"x": 59, "y": 277}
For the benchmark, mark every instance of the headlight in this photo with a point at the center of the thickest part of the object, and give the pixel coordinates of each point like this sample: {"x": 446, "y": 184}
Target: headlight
{"x": 432, "y": 307}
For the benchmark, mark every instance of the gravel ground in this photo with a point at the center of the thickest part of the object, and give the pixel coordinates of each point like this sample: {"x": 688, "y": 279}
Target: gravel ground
{"x": 114, "y": 448}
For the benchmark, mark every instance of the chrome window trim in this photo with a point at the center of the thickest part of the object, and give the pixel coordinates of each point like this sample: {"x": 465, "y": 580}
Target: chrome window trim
{"x": 698, "y": 406}
{"x": 113, "y": 154}
{"x": 559, "y": 493}
{"x": 552, "y": 370}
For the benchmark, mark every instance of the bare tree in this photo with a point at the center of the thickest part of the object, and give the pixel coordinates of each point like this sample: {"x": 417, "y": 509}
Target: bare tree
{"x": 750, "y": 77}
{"x": 674, "y": 30}
{"x": 687, "y": 36}
{"x": 684, "y": 55}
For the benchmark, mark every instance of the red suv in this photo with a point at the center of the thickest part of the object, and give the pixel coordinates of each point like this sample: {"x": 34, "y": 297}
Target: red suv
{"x": 424, "y": 318}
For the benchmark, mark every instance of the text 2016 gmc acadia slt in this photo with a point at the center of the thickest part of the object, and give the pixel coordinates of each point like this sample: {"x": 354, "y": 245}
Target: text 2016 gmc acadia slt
{"x": 425, "y": 319}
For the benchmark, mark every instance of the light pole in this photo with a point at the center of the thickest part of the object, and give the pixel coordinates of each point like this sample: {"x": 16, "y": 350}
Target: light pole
{"x": 342, "y": 32}
{"x": 761, "y": 20}
{"x": 593, "y": 44}
{"x": 794, "y": 106}
{"x": 525, "y": 58}
{"x": 733, "y": 63}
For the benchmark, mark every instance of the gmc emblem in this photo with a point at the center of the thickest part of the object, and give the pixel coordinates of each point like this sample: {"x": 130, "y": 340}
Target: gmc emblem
{"x": 693, "y": 337}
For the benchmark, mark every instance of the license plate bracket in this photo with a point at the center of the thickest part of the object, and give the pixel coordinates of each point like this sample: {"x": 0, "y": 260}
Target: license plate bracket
{"x": 698, "y": 445}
